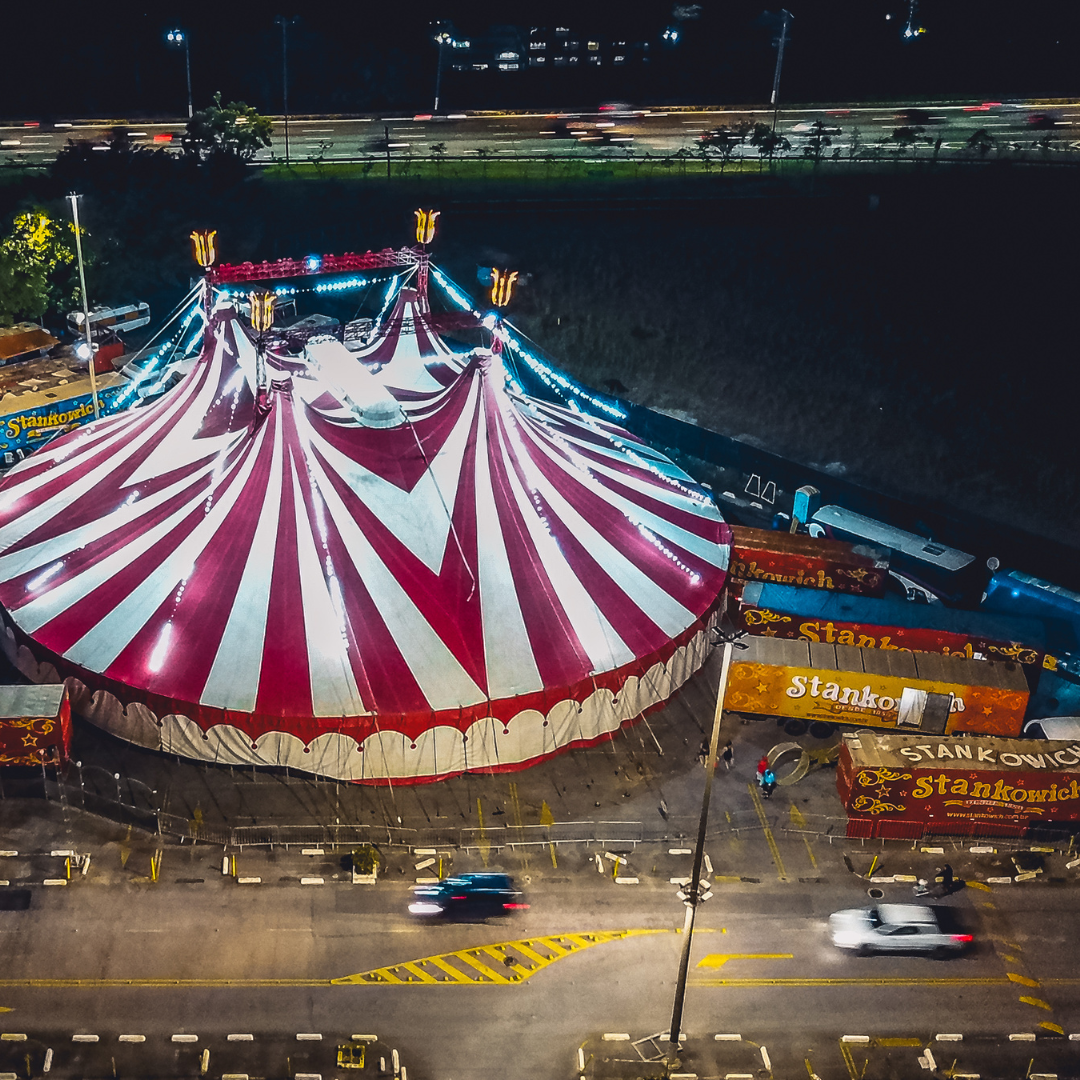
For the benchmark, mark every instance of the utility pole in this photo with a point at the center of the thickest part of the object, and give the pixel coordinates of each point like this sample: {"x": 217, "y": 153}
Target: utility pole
{"x": 285, "y": 23}
{"x": 386, "y": 133}
{"x": 85, "y": 306}
{"x": 693, "y": 890}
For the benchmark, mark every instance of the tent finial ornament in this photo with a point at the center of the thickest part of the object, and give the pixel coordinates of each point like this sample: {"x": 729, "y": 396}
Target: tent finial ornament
{"x": 204, "y": 247}
{"x": 425, "y": 226}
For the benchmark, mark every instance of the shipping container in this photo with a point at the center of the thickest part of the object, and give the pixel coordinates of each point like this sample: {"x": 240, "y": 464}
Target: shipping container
{"x": 793, "y": 559}
{"x": 867, "y": 622}
{"x": 821, "y": 683}
{"x": 35, "y": 724}
{"x": 908, "y": 786}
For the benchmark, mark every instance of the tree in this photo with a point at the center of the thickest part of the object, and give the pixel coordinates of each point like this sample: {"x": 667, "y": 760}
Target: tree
{"x": 723, "y": 141}
{"x": 981, "y": 142}
{"x": 768, "y": 143}
{"x": 438, "y": 152}
{"x": 34, "y": 259}
{"x": 233, "y": 131}
{"x": 906, "y": 138}
{"x": 818, "y": 142}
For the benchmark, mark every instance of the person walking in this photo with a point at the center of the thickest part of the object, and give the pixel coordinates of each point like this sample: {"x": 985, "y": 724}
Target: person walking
{"x": 946, "y": 880}
{"x": 729, "y": 754}
{"x": 768, "y": 782}
{"x": 703, "y": 752}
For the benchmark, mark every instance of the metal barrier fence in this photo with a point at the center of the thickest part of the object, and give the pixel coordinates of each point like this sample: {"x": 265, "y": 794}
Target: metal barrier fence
{"x": 105, "y": 797}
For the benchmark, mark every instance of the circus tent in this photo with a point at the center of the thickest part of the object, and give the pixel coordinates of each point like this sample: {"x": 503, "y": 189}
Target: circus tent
{"x": 384, "y": 564}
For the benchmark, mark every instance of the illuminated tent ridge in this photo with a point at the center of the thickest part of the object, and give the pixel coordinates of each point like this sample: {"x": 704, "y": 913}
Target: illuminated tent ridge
{"x": 353, "y": 576}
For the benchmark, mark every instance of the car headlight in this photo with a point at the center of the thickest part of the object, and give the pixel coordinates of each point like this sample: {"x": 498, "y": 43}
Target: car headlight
{"x": 425, "y": 907}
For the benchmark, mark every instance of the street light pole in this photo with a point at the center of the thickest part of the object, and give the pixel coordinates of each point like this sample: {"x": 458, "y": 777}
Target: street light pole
{"x": 285, "y": 23}
{"x": 693, "y": 890}
{"x": 438, "y": 71}
{"x": 786, "y": 18}
{"x": 179, "y": 38}
{"x": 85, "y": 302}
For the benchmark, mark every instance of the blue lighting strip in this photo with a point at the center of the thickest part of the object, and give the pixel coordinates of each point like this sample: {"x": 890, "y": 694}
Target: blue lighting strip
{"x": 338, "y": 285}
{"x": 159, "y": 360}
{"x": 568, "y": 389}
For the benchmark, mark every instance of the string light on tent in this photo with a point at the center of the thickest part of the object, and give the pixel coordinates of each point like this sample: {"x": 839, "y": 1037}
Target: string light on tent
{"x": 583, "y": 466}
{"x": 551, "y": 377}
{"x": 52, "y": 571}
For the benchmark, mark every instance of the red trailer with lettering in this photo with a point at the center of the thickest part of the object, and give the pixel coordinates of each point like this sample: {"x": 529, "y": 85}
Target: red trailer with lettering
{"x": 796, "y": 559}
{"x": 911, "y": 786}
{"x": 35, "y": 724}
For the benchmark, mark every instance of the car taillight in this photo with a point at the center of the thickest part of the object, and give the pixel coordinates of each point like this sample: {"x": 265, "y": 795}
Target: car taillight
{"x": 963, "y": 937}
{"x": 516, "y": 907}
{"x": 457, "y": 897}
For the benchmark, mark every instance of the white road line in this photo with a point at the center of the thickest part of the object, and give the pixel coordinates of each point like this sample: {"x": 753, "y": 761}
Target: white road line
{"x": 85, "y": 1038}
{"x": 240, "y": 1038}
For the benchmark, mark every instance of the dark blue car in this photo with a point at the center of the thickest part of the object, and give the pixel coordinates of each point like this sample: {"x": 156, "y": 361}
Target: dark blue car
{"x": 467, "y": 896}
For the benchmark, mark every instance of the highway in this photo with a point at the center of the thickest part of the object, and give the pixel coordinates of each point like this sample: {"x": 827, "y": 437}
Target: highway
{"x": 653, "y": 132}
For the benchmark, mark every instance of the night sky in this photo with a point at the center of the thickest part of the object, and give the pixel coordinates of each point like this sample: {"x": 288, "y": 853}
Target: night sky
{"x": 112, "y": 61}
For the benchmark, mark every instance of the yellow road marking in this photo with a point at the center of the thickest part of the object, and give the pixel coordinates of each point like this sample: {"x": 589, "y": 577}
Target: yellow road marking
{"x": 770, "y": 839}
{"x": 716, "y": 960}
{"x": 1056, "y": 1028}
{"x": 1023, "y": 980}
{"x": 898, "y": 1042}
{"x": 505, "y": 963}
{"x": 1038, "y": 1003}
{"x": 4, "y": 1009}
{"x": 809, "y": 850}
{"x": 849, "y": 1061}
{"x": 796, "y": 816}
{"x": 978, "y": 885}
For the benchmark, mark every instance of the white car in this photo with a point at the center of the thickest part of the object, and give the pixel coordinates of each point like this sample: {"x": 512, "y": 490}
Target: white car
{"x": 895, "y": 928}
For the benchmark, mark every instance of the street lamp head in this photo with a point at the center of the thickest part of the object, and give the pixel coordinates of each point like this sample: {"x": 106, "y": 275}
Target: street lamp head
{"x": 176, "y": 37}
{"x": 283, "y": 22}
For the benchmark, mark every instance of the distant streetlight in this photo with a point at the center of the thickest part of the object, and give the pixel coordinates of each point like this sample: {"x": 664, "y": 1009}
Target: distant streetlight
{"x": 285, "y": 24}
{"x": 179, "y": 40}
{"x": 85, "y": 303}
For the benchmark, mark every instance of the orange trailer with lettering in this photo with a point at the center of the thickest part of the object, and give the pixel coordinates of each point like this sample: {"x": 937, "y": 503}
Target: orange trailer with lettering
{"x": 815, "y": 682}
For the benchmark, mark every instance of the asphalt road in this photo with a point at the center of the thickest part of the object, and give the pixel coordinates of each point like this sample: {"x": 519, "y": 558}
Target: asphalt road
{"x": 114, "y": 954}
{"x": 653, "y": 132}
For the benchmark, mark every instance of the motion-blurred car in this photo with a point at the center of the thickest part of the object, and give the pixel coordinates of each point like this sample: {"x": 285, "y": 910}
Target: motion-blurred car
{"x": 810, "y": 127}
{"x": 467, "y": 896}
{"x": 896, "y": 928}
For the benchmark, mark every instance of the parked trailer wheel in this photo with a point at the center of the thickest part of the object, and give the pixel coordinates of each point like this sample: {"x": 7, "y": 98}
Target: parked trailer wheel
{"x": 820, "y": 729}
{"x": 795, "y": 728}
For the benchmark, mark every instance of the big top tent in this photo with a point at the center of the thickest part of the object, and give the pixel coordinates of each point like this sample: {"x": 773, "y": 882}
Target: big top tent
{"x": 383, "y": 565}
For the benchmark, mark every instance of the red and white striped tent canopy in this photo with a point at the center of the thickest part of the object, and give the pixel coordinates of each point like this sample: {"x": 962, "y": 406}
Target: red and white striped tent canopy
{"x": 361, "y": 577}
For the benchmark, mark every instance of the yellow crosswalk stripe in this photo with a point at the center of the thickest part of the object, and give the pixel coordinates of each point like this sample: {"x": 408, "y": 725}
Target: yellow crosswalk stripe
{"x": 488, "y": 965}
